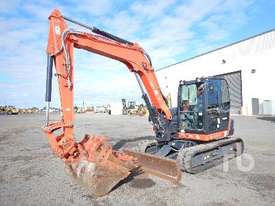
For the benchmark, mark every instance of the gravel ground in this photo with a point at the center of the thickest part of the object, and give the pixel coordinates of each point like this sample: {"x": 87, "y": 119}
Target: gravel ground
{"x": 31, "y": 175}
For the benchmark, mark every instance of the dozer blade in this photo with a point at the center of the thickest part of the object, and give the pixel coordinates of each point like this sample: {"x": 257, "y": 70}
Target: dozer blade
{"x": 99, "y": 178}
{"x": 158, "y": 166}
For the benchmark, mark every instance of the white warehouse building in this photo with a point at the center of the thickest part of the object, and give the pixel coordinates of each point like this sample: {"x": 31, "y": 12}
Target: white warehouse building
{"x": 248, "y": 66}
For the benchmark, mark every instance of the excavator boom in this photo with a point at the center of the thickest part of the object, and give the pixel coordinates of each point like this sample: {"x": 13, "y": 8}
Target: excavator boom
{"x": 92, "y": 161}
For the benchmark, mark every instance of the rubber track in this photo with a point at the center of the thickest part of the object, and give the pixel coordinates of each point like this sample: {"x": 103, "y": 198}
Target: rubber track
{"x": 185, "y": 155}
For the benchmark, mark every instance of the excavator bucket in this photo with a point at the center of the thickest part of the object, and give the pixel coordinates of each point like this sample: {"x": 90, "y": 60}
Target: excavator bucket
{"x": 98, "y": 178}
{"x": 158, "y": 166}
{"x": 100, "y": 168}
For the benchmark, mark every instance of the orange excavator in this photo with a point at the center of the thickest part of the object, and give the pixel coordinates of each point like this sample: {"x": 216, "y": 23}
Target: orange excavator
{"x": 191, "y": 137}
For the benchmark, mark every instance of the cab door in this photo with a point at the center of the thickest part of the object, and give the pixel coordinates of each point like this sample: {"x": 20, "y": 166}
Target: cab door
{"x": 217, "y": 105}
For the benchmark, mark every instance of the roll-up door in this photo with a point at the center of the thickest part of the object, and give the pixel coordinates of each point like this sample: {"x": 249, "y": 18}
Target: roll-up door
{"x": 234, "y": 80}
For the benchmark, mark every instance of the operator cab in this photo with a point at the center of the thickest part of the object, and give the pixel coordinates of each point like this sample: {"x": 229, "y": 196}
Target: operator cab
{"x": 203, "y": 105}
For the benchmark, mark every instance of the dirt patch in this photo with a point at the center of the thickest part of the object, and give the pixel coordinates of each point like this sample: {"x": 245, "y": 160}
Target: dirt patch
{"x": 142, "y": 183}
{"x": 30, "y": 172}
{"x": 21, "y": 158}
{"x": 3, "y": 167}
{"x": 268, "y": 154}
{"x": 28, "y": 158}
{"x": 262, "y": 182}
{"x": 219, "y": 203}
{"x": 12, "y": 134}
{"x": 2, "y": 179}
{"x": 45, "y": 146}
{"x": 4, "y": 137}
{"x": 95, "y": 201}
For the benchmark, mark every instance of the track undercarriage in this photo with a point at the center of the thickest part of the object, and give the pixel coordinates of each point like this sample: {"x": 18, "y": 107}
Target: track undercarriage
{"x": 192, "y": 156}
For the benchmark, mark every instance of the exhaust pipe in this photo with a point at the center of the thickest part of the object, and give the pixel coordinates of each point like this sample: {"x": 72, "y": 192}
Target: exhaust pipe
{"x": 48, "y": 95}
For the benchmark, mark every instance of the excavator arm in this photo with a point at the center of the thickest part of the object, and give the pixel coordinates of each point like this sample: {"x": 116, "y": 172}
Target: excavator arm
{"x": 60, "y": 47}
{"x": 60, "y": 50}
{"x": 93, "y": 151}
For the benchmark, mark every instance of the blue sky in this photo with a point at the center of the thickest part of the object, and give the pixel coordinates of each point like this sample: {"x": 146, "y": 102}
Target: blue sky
{"x": 169, "y": 30}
